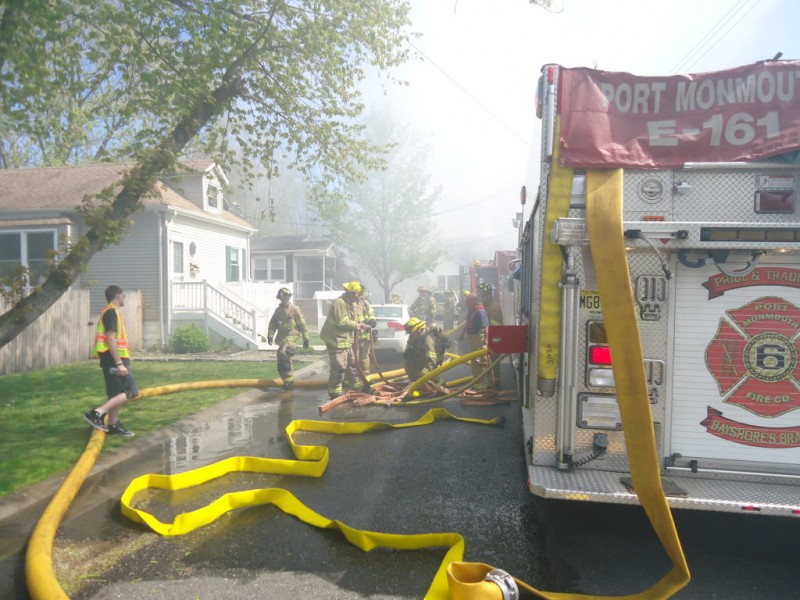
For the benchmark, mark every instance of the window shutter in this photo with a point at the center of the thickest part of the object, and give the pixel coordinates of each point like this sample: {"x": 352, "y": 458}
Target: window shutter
{"x": 228, "y": 265}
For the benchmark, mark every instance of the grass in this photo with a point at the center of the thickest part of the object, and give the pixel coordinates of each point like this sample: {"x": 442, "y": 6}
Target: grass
{"x": 42, "y": 431}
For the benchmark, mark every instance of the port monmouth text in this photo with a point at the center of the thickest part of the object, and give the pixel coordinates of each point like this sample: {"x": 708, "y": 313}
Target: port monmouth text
{"x": 746, "y": 113}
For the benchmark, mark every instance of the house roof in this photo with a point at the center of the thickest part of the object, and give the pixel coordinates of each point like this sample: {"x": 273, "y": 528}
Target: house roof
{"x": 289, "y": 243}
{"x": 63, "y": 188}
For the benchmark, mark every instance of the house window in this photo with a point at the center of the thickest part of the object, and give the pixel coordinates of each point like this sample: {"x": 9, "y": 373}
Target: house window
{"x": 269, "y": 269}
{"x": 30, "y": 249}
{"x": 177, "y": 258}
{"x": 260, "y": 269}
{"x": 213, "y": 194}
{"x": 277, "y": 269}
{"x": 233, "y": 263}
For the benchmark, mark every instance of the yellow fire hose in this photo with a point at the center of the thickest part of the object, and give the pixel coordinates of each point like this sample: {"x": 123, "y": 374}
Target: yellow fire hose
{"x": 311, "y": 462}
{"x": 458, "y": 360}
{"x": 549, "y": 326}
{"x": 607, "y": 240}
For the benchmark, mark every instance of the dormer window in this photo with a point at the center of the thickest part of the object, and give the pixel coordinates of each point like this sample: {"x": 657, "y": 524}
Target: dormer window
{"x": 213, "y": 194}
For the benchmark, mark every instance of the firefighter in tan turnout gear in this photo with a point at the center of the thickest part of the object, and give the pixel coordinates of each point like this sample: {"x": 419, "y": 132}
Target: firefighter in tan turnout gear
{"x": 338, "y": 333}
{"x": 424, "y": 307}
{"x": 288, "y": 322}
{"x": 495, "y": 313}
{"x": 423, "y": 353}
{"x": 365, "y": 315}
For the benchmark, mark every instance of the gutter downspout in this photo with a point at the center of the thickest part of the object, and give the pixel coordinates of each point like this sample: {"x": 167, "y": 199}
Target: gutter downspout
{"x": 162, "y": 235}
{"x": 167, "y": 217}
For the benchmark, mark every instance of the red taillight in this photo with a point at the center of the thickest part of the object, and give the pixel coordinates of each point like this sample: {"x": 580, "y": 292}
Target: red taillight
{"x": 751, "y": 508}
{"x": 551, "y": 75}
{"x": 600, "y": 355}
{"x": 394, "y": 325}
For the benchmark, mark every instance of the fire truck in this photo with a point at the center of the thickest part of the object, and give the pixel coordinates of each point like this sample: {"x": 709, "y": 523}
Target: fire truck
{"x": 694, "y": 179}
{"x": 497, "y": 273}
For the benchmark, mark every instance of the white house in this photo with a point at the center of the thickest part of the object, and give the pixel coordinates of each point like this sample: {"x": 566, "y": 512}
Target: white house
{"x": 186, "y": 251}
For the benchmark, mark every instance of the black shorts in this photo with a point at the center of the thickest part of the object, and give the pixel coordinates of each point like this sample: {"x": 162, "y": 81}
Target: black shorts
{"x": 116, "y": 384}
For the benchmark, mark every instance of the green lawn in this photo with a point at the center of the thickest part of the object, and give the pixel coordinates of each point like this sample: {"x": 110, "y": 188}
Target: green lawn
{"x": 42, "y": 431}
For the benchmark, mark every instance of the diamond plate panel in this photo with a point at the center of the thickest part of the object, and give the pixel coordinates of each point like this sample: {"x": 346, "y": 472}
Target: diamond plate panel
{"x": 725, "y": 195}
{"x": 647, "y": 193}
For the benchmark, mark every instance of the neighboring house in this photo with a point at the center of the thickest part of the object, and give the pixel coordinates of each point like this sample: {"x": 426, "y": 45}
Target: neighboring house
{"x": 310, "y": 264}
{"x": 183, "y": 250}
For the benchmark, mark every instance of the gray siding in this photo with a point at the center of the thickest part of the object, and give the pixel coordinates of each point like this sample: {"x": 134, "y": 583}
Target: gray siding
{"x": 132, "y": 265}
{"x": 190, "y": 186}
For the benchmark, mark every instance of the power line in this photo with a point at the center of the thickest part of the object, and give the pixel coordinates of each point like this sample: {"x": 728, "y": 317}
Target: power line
{"x": 691, "y": 58}
{"x": 470, "y": 96}
{"x": 475, "y": 203}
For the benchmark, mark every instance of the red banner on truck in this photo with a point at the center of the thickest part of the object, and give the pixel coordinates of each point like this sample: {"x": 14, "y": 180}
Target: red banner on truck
{"x": 622, "y": 120}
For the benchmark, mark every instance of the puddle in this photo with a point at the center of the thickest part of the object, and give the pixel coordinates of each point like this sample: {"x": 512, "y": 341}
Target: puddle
{"x": 257, "y": 428}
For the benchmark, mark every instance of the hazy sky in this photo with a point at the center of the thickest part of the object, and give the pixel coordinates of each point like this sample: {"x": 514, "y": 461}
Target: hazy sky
{"x": 472, "y": 95}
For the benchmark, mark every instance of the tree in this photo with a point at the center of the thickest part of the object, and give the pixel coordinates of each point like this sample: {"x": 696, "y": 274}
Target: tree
{"x": 385, "y": 220}
{"x": 268, "y": 75}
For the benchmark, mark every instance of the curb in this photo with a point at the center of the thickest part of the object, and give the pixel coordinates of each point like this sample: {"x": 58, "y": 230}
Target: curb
{"x": 30, "y": 496}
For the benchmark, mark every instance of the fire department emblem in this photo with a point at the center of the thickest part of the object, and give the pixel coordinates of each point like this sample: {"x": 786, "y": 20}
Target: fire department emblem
{"x": 754, "y": 357}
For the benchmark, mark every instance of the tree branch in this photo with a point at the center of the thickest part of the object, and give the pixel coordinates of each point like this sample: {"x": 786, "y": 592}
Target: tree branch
{"x": 8, "y": 27}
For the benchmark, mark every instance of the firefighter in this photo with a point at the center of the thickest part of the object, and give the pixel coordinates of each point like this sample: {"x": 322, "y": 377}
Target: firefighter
{"x": 424, "y": 306}
{"x": 495, "y": 313}
{"x": 338, "y": 333}
{"x": 420, "y": 356}
{"x": 449, "y": 310}
{"x": 396, "y": 299}
{"x": 288, "y": 322}
{"x": 463, "y": 313}
{"x": 477, "y": 332}
{"x": 365, "y": 315}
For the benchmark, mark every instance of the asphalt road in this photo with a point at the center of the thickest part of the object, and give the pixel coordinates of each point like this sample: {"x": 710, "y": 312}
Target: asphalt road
{"x": 448, "y": 476}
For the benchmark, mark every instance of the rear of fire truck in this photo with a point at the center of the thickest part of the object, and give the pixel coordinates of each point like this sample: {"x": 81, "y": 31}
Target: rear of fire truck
{"x": 708, "y": 181}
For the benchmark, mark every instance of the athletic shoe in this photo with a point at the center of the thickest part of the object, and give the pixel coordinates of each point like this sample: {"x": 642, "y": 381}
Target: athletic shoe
{"x": 288, "y": 384}
{"x": 119, "y": 429}
{"x": 96, "y": 420}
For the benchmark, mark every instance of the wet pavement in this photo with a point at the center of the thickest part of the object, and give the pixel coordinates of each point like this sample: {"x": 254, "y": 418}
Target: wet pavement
{"x": 448, "y": 476}
{"x": 443, "y": 477}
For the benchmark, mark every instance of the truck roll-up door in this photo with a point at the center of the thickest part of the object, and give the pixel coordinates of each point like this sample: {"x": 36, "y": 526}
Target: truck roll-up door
{"x": 736, "y": 374}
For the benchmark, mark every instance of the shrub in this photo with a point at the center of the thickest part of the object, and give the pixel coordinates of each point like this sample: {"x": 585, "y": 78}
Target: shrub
{"x": 189, "y": 339}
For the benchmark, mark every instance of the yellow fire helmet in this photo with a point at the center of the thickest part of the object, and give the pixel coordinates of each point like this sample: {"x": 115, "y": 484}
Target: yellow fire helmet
{"x": 414, "y": 324}
{"x": 353, "y": 286}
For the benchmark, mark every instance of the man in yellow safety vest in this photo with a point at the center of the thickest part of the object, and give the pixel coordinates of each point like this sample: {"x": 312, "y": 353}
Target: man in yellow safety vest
{"x": 111, "y": 347}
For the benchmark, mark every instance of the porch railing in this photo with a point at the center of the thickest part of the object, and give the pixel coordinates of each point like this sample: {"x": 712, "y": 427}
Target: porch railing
{"x": 205, "y": 299}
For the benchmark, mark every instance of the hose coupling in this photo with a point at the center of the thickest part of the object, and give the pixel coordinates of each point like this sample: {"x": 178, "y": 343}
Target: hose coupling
{"x": 505, "y": 582}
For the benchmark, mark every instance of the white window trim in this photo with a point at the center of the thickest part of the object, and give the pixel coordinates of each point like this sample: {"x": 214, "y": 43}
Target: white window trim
{"x": 209, "y": 186}
{"x": 268, "y": 268}
{"x": 23, "y": 233}
{"x": 183, "y": 257}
